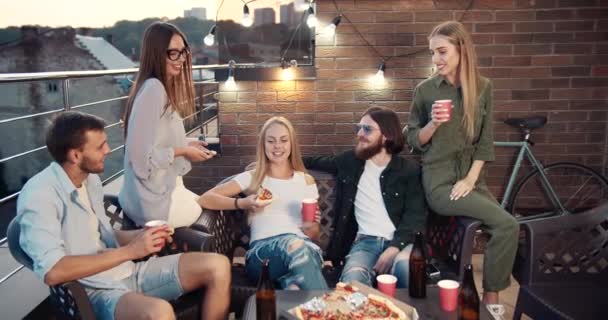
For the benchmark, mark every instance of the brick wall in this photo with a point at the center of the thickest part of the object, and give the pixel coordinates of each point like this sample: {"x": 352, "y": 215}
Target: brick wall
{"x": 545, "y": 57}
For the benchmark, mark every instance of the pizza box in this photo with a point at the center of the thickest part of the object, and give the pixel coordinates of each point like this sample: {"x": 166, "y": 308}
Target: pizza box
{"x": 409, "y": 311}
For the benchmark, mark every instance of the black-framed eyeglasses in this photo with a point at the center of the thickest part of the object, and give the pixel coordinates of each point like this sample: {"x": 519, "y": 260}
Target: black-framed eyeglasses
{"x": 174, "y": 54}
{"x": 367, "y": 129}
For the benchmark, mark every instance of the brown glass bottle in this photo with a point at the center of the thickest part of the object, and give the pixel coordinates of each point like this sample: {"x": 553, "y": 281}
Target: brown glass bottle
{"x": 266, "y": 302}
{"x": 417, "y": 276}
{"x": 468, "y": 300}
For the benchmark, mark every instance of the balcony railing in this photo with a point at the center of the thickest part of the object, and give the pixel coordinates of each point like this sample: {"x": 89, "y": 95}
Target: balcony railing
{"x": 204, "y": 119}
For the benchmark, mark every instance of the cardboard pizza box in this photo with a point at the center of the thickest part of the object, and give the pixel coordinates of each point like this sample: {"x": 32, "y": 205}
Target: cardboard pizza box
{"x": 409, "y": 311}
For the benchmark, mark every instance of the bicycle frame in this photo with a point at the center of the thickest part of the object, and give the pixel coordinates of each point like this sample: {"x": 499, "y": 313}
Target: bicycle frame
{"x": 525, "y": 151}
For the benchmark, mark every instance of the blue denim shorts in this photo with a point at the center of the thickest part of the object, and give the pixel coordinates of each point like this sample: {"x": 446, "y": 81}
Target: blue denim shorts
{"x": 157, "y": 277}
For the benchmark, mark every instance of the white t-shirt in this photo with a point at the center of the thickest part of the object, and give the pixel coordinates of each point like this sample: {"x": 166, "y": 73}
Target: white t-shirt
{"x": 284, "y": 213}
{"x": 370, "y": 211}
{"x": 119, "y": 272}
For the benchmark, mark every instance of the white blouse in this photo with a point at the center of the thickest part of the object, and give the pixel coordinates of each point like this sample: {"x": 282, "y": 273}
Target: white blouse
{"x": 151, "y": 168}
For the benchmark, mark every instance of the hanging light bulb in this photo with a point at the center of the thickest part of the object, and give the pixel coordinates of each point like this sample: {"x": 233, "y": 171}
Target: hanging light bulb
{"x": 247, "y": 21}
{"x": 378, "y": 78}
{"x": 301, "y": 5}
{"x": 330, "y": 30}
{"x": 230, "y": 84}
{"x": 210, "y": 38}
{"x": 287, "y": 72}
{"x": 311, "y": 21}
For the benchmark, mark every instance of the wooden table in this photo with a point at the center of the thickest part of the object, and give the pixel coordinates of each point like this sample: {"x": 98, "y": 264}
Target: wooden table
{"x": 427, "y": 308}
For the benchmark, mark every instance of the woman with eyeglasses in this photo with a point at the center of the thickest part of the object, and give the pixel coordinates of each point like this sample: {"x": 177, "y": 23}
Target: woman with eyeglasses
{"x": 456, "y": 142}
{"x": 157, "y": 153}
{"x": 277, "y": 230}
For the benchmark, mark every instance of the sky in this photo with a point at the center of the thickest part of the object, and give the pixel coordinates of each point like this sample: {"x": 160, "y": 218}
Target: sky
{"x": 100, "y": 13}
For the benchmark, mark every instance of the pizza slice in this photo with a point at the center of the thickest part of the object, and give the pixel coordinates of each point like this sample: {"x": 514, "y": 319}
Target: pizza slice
{"x": 380, "y": 308}
{"x": 264, "y": 196}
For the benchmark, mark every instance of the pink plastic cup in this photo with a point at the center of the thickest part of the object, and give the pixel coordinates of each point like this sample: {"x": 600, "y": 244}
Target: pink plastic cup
{"x": 309, "y": 210}
{"x": 387, "y": 284}
{"x": 448, "y": 294}
{"x": 446, "y": 107}
{"x": 156, "y": 223}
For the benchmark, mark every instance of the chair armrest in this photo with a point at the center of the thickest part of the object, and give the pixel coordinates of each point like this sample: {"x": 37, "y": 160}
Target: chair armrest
{"x": 116, "y": 214}
{"x": 72, "y": 300}
{"x": 565, "y": 249}
{"x": 451, "y": 239}
{"x": 190, "y": 239}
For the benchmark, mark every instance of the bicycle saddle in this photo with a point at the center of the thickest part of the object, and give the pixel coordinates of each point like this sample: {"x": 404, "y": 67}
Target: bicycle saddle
{"x": 527, "y": 123}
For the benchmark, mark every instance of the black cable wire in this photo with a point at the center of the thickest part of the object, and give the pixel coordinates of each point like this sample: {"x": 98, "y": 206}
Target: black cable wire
{"x": 293, "y": 35}
{"x": 359, "y": 33}
{"x": 384, "y": 58}
{"x": 217, "y": 13}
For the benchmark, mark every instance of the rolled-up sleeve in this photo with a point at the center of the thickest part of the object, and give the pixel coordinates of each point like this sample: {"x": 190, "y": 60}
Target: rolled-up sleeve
{"x": 417, "y": 120}
{"x": 144, "y": 154}
{"x": 40, "y": 236}
{"x": 484, "y": 149}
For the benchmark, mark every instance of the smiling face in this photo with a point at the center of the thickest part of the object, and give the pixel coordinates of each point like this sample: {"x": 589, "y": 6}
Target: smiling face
{"x": 277, "y": 143}
{"x": 174, "y": 68}
{"x": 445, "y": 57}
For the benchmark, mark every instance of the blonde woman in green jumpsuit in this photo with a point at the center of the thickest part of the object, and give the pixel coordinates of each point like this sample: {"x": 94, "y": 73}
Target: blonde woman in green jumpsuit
{"x": 455, "y": 148}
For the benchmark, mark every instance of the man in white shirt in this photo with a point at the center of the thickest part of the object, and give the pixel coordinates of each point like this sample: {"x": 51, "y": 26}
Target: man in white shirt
{"x": 379, "y": 204}
{"x": 58, "y": 213}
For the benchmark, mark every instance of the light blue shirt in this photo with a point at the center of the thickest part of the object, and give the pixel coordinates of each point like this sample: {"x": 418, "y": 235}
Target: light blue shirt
{"x": 151, "y": 168}
{"x": 55, "y": 223}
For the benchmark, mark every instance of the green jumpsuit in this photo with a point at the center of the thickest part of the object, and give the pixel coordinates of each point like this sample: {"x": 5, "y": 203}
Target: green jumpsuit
{"x": 447, "y": 158}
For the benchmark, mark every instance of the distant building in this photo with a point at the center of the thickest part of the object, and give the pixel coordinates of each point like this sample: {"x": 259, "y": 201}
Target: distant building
{"x": 263, "y": 16}
{"x": 289, "y": 16}
{"x": 199, "y": 13}
{"x": 46, "y": 51}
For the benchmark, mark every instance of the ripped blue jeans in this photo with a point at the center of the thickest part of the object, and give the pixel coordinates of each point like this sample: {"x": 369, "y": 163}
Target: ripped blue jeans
{"x": 363, "y": 256}
{"x": 293, "y": 260}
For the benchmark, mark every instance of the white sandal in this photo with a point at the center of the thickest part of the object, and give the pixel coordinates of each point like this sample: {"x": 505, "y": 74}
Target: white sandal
{"x": 496, "y": 310}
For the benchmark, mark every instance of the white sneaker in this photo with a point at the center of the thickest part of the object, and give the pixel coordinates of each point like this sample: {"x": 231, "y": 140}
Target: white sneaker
{"x": 496, "y": 310}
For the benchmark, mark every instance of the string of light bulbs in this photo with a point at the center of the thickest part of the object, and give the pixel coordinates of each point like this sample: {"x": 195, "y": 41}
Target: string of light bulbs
{"x": 307, "y": 6}
{"x": 378, "y": 78}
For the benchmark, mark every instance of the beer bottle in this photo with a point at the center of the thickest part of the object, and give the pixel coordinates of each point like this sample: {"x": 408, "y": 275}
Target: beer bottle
{"x": 417, "y": 276}
{"x": 468, "y": 300}
{"x": 266, "y": 307}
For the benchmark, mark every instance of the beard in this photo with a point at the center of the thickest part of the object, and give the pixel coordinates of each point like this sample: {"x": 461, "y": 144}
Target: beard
{"x": 90, "y": 166}
{"x": 365, "y": 153}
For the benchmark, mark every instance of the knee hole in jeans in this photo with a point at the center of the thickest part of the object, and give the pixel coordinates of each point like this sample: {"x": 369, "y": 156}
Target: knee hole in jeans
{"x": 295, "y": 245}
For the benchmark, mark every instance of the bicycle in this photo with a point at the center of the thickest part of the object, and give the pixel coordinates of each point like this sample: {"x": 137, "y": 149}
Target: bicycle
{"x": 559, "y": 188}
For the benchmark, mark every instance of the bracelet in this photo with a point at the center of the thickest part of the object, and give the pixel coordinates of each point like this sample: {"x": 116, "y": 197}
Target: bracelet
{"x": 236, "y": 203}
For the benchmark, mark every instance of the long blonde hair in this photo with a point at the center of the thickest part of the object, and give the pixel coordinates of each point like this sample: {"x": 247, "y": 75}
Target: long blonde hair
{"x": 469, "y": 77}
{"x": 262, "y": 164}
{"x": 153, "y": 64}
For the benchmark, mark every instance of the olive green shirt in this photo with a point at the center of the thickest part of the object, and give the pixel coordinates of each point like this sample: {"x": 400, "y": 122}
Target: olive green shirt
{"x": 448, "y": 142}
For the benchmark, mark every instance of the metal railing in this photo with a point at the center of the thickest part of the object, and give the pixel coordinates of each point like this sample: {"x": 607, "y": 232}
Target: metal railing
{"x": 65, "y": 77}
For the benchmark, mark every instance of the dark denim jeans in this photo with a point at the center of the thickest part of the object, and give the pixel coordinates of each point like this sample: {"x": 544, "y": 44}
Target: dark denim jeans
{"x": 292, "y": 260}
{"x": 363, "y": 256}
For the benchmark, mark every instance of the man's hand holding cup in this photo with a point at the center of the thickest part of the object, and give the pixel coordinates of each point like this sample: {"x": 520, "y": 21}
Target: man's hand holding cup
{"x": 152, "y": 239}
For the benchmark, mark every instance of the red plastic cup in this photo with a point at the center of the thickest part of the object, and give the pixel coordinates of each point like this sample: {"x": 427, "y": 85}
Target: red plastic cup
{"x": 448, "y": 294}
{"x": 309, "y": 210}
{"x": 156, "y": 223}
{"x": 446, "y": 107}
{"x": 387, "y": 284}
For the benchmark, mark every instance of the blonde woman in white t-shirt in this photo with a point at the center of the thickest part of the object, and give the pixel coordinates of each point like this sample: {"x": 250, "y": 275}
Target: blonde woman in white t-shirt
{"x": 277, "y": 231}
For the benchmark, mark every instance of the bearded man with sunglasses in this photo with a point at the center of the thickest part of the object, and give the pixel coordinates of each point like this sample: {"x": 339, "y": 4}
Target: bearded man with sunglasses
{"x": 380, "y": 202}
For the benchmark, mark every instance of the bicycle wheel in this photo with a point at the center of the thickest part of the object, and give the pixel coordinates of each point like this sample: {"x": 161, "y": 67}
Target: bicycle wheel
{"x": 577, "y": 187}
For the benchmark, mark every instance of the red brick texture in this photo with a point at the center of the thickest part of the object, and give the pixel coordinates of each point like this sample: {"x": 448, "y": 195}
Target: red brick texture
{"x": 546, "y": 57}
